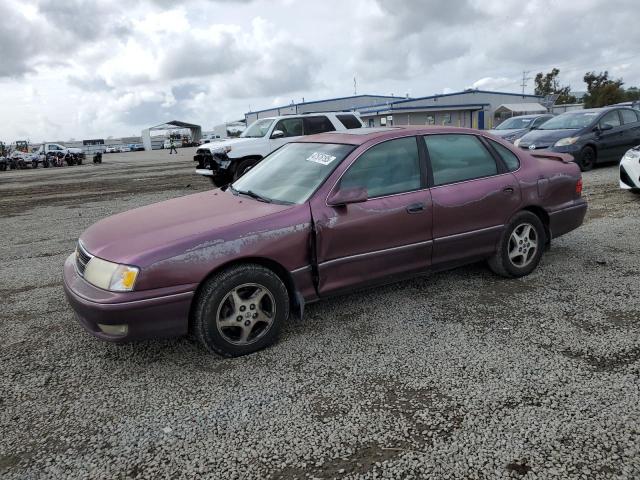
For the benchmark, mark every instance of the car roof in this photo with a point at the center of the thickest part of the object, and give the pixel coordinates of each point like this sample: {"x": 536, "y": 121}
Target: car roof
{"x": 307, "y": 114}
{"x": 359, "y": 136}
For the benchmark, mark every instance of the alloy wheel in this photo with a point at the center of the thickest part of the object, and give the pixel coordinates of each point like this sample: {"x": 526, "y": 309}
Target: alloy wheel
{"x": 523, "y": 245}
{"x": 245, "y": 314}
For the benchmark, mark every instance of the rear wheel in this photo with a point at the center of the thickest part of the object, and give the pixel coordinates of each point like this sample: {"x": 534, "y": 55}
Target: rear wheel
{"x": 520, "y": 248}
{"x": 587, "y": 158}
{"x": 240, "y": 310}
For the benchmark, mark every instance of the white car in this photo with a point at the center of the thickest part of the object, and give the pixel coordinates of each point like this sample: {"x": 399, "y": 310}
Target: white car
{"x": 111, "y": 149}
{"x": 227, "y": 160}
{"x": 630, "y": 170}
{"x": 176, "y": 143}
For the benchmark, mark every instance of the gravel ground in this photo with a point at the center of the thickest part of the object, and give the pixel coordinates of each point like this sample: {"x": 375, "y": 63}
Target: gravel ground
{"x": 456, "y": 375}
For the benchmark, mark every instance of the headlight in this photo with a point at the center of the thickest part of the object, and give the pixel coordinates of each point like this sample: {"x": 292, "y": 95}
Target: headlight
{"x": 221, "y": 150}
{"x": 517, "y": 142}
{"x": 110, "y": 276}
{"x": 632, "y": 155}
{"x": 563, "y": 142}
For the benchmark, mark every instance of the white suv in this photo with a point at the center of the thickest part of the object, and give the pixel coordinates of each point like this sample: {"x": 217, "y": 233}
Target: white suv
{"x": 225, "y": 161}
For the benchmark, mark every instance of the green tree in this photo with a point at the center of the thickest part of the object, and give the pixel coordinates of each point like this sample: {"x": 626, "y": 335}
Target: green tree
{"x": 548, "y": 84}
{"x": 632, "y": 94}
{"x": 602, "y": 91}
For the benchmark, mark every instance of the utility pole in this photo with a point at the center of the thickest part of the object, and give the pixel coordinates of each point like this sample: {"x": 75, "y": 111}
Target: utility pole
{"x": 355, "y": 87}
{"x": 524, "y": 80}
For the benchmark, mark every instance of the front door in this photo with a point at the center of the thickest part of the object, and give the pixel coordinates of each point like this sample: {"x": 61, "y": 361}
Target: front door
{"x": 611, "y": 143}
{"x": 385, "y": 237}
{"x": 473, "y": 197}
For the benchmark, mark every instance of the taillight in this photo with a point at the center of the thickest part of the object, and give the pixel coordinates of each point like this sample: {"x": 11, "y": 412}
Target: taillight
{"x": 579, "y": 187}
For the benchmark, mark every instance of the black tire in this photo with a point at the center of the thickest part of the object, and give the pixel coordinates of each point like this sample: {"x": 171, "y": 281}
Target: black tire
{"x": 243, "y": 167}
{"x": 79, "y": 161}
{"x": 501, "y": 263}
{"x": 587, "y": 158}
{"x": 34, "y": 164}
{"x": 214, "y": 298}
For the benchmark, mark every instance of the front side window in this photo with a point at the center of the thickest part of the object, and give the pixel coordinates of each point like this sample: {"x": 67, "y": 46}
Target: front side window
{"x": 314, "y": 125}
{"x": 349, "y": 121}
{"x": 291, "y": 127}
{"x": 612, "y": 119}
{"x": 455, "y": 158}
{"x": 628, "y": 116}
{"x": 386, "y": 169}
{"x": 508, "y": 157}
{"x": 292, "y": 173}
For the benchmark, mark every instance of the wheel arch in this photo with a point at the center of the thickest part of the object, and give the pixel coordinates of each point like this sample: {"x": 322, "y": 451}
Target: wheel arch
{"x": 542, "y": 214}
{"x": 296, "y": 302}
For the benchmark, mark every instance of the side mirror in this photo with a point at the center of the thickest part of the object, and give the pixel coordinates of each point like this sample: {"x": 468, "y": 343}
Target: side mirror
{"x": 348, "y": 195}
{"x": 602, "y": 128}
{"x": 277, "y": 134}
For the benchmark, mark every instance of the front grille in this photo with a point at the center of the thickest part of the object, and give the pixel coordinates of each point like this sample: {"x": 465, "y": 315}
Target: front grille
{"x": 82, "y": 258}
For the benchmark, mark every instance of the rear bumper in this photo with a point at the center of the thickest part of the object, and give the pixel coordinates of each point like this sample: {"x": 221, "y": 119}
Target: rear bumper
{"x": 568, "y": 218}
{"x": 150, "y": 314}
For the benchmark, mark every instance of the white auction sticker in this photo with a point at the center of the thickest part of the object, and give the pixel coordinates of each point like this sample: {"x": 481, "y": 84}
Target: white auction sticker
{"x": 321, "y": 158}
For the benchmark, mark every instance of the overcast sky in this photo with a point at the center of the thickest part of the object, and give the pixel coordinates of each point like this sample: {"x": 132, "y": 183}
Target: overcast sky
{"x": 92, "y": 69}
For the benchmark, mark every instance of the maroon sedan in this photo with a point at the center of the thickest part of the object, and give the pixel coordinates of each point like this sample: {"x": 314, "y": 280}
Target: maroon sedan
{"x": 321, "y": 216}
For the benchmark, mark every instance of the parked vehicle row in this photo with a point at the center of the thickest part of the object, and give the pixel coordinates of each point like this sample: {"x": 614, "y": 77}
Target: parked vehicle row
{"x": 515, "y": 127}
{"x": 322, "y": 215}
{"x": 590, "y": 136}
{"x": 227, "y": 160}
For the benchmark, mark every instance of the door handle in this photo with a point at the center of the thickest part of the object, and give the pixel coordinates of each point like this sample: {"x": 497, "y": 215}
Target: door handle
{"x": 508, "y": 190}
{"x": 415, "y": 208}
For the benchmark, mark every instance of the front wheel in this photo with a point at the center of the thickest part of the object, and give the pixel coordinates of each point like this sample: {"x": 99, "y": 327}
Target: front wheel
{"x": 520, "y": 248}
{"x": 243, "y": 167}
{"x": 240, "y": 310}
{"x": 587, "y": 159}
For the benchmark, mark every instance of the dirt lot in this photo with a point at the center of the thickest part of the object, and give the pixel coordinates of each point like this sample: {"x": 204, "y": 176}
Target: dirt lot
{"x": 457, "y": 375}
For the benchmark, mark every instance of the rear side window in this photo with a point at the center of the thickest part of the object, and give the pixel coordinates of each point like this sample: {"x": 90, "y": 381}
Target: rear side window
{"x": 508, "y": 157}
{"x": 455, "y": 158}
{"x": 291, "y": 127}
{"x": 317, "y": 125}
{"x": 385, "y": 169}
{"x": 349, "y": 121}
{"x": 628, "y": 116}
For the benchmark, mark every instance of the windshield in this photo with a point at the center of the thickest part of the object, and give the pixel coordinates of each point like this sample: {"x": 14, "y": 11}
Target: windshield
{"x": 257, "y": 129}
{"x": 515, "y": 123}
{"x": 570, "y": 121}
{"x": 292, "y": 173}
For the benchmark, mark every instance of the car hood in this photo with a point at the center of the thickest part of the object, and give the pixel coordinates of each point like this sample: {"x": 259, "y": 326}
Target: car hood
{"x": 162, "y": 230}
{"x": 213, "y": 145}
{"x": 507, "y": 133}
{"x": 546, "y": 137}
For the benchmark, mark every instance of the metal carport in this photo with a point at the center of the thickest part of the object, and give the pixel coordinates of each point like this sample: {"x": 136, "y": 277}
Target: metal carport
{"x": 196, "y": 131}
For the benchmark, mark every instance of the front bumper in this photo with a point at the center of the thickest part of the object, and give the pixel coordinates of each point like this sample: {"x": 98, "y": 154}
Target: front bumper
{"x": 573, "y": 150}
{"x": 158, "y": 313}
{"x": 630, "y": 174}
{"x": 213, "y": 165}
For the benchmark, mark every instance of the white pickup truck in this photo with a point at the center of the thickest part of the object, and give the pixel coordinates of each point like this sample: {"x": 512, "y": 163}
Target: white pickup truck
{"x": 225, "y": 161}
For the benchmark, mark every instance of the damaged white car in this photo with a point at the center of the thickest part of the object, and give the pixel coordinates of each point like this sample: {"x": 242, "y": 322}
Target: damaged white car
{"x": 630, "y": 170}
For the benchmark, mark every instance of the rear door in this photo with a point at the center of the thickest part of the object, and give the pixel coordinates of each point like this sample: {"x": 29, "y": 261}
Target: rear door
{"x": 473, "y": 196}
{"x": 317, "y": 124}
{"x": 387, "y": 236}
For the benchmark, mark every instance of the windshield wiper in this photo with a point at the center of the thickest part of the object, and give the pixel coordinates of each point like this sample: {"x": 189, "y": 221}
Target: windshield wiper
{"x": 251, "y": 194}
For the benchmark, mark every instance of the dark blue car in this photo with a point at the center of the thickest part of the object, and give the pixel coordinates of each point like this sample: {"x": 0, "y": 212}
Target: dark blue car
{"x": 591, "y": 136}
